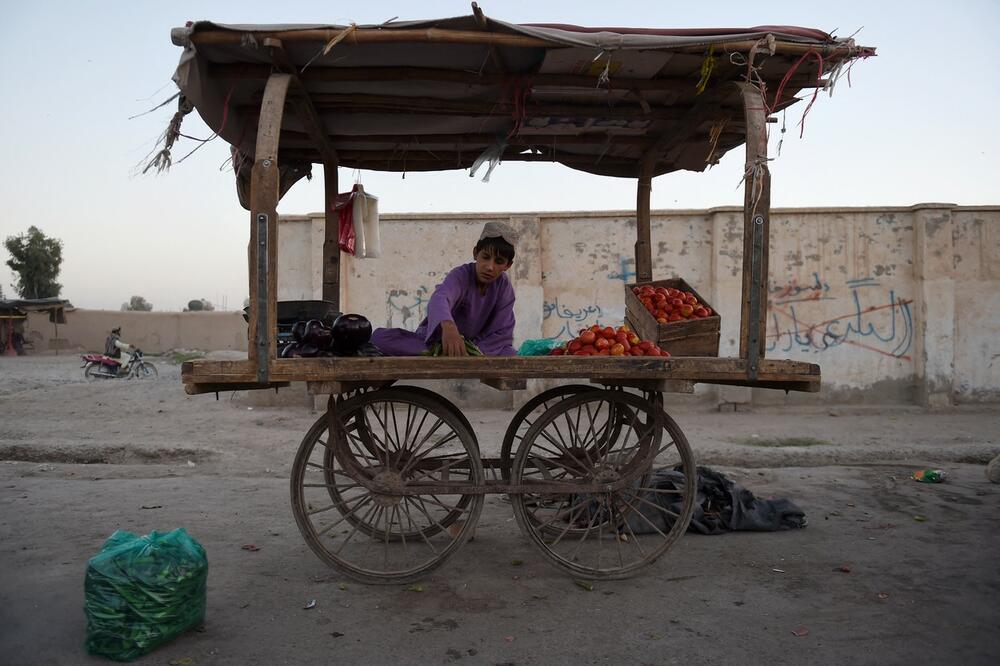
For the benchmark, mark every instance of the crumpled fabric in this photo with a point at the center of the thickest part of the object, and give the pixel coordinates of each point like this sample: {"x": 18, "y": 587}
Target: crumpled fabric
{"x": 720, "y": 506}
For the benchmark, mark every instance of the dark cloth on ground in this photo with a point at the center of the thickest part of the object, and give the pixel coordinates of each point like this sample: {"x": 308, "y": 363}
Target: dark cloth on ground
{"x": 720, "y": 506}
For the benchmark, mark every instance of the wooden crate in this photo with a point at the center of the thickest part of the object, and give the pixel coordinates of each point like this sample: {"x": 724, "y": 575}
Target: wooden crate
{"x": 693, "y": 337}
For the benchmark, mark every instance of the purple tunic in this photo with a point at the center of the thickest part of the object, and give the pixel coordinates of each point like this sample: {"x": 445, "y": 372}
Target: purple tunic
{"x": 485, "y": 319}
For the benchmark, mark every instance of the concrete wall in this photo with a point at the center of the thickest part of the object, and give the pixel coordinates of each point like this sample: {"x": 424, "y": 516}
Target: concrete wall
{"x": 896, "y": 303}
{"x": 153, "y": 332}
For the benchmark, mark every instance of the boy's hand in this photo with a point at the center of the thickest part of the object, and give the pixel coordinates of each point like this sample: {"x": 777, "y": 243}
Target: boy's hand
{"x": 452, "y": 343}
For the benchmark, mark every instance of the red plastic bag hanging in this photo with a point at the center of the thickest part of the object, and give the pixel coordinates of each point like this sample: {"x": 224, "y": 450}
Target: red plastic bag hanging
{"x": 344, "y": 206}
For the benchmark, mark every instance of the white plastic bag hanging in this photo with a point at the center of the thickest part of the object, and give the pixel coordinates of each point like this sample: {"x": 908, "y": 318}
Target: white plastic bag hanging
{"x": 359, "y": 223}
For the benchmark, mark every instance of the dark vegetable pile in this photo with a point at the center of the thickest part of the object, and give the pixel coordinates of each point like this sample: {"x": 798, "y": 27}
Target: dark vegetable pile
{"x": 349, "y": 336}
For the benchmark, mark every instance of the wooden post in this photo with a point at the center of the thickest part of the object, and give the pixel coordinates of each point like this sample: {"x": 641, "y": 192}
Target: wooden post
{"x": 756, "y": 227}
{"x": 331, "y": 237}
{"x": 264, "y": 228}
{"x": 643, "y": 248}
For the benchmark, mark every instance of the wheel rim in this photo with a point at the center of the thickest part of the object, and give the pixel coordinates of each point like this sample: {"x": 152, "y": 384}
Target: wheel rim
{"x": 145, "y": 371}
{"x": 612, "y": 534}
{"x": 528, "y": 414}
{"x": 395, "y": 438}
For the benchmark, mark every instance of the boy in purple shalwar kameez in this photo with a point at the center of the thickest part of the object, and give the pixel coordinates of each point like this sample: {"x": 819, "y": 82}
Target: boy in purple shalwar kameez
{"x": 475, "y": 302}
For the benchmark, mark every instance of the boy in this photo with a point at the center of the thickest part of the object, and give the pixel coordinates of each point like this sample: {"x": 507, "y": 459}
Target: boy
{"x": 475, "y": 302}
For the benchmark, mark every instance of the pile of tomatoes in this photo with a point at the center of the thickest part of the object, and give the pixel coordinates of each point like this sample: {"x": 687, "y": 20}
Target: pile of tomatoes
{"x": 667, "y": 304}
{"x": 607, "y": 341}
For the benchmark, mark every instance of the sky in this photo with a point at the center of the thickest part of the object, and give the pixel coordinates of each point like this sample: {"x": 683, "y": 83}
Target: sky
{"x": 916, "y": 125}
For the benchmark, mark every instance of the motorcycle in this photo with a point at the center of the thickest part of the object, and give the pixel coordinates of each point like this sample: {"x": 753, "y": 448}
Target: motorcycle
{"x": 100, "y": 366}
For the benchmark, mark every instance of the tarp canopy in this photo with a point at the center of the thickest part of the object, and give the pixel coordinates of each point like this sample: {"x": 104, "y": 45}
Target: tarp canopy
{"x": 433, "y": 95}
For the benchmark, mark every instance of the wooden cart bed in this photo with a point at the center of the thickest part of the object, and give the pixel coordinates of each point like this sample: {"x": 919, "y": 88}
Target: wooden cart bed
{"x": 335, "y": 375}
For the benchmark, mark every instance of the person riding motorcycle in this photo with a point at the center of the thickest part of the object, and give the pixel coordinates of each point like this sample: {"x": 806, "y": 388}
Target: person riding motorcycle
{"x": 116, "y": 349}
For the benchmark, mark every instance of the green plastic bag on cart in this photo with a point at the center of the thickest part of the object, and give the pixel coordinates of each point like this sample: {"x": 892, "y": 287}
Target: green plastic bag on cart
{"x": 143, "y": 591}
{"x": 539, "y": 347}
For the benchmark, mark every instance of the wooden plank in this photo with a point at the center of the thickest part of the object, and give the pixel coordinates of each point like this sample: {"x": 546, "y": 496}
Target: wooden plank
{"x": 643, "y": 247}
{"x": 305, "y": 109}
{"x": 773, "y": 373}
{"x": 220, "y": 387}
{"x": 264, "y": 215}
{"x": 331, "y": 237}
{"x": 355, "y": 102}
{"x": 206, "y": 366}
{"x": 661, "y": 385}
{"x": 337, "y": 387}
{"x": 376, "y": 36}
{"x": 506, "y": 383}
{"x": 756, "y": 230}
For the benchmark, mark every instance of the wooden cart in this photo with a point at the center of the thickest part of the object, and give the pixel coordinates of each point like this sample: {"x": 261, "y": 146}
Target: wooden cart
{"x": 390, "y": 481}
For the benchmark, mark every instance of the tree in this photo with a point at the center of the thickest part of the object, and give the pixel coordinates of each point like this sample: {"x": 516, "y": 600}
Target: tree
{"x": 137, "y": 304}
{"x": 36, "y": 259}
{"x": 199, "y": 305}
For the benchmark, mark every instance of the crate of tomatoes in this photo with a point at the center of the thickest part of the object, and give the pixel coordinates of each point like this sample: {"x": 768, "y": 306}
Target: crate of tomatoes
{"x": 607, "y": 341}
{"x": 674, "y": 315}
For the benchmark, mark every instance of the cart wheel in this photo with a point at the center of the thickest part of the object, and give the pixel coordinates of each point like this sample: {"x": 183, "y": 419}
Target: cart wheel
{"x": 373, "y": 452}
{"x": 528, "y": 414}
{"x": 613, "y": 534}
{"x": 395, "y": 438}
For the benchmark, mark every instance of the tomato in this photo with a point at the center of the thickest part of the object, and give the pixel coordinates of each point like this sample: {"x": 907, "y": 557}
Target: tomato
{"x": 608, "y": 332}
{"x": 604, "y": 352}
{"x": 596, "y": 328}
{"x": 574, "y": 346}
{"x": 675, "y": 317}
{"x": 672, "y": 293}
{"x": 646, "y": 345}
{"x": 637, "y": 352}
{"x": 621, "y": 338}
{"x": 676, "y": 302}
{"x": 662, "y": 320}
{"x": 636, "y": 290}
{"x": 633, "y": 339}
{"x": 708, "y": 310}
{"x": 559, "y": 351}
{"x": 588, "y": 337}
{"x": 589, "y": 348}
{"x": 582, "y": 353}
{"x": 617, "y": 350}
{"x": 686, "y": 310}
{"x": 700, "y": 312}
{"x": 601, "y": 343}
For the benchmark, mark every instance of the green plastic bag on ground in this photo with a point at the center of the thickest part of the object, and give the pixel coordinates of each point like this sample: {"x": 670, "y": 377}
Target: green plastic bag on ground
{"x": 143, "y": 591}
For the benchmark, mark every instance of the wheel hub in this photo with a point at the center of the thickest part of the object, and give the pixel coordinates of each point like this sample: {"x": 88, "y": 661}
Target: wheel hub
{"x": 606, "y": 475}
{"x": 389, "y": 485}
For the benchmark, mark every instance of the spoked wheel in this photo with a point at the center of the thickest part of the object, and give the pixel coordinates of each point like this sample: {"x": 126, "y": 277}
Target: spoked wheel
{"x": 528, "y": 414}
{"x": 145, "y": 371}
{"x": 396, "y": 440}
{"x": 599, "y": 533}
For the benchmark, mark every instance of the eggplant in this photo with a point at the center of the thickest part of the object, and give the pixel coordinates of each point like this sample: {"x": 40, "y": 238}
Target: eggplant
{"x": 317, "y": 334}
{"x": 350, "y": 332}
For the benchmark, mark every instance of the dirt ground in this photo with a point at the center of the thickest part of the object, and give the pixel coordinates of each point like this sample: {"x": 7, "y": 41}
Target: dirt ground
{"x": 887, "y": 571}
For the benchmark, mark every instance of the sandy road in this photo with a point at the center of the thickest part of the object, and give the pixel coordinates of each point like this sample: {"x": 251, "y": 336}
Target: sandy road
{"x": 81, "y": 460}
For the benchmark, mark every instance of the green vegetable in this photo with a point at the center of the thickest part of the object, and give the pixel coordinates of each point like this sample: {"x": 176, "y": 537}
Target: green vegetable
{"x": 436, "y": 350}
{"x": 142, "y": 591}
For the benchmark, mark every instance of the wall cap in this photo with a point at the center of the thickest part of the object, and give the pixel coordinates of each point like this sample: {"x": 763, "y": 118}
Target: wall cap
{"x": 435, "y": 216}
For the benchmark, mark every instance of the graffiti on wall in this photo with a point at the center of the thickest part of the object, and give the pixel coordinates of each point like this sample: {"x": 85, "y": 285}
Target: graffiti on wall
{"x": 570, "y": 320}
{"x": 872, "y": 319}
{"x": 405, "y": 308}
{"x": 625, "y": 272}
